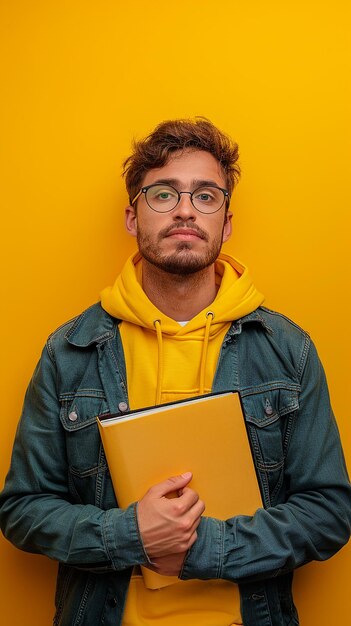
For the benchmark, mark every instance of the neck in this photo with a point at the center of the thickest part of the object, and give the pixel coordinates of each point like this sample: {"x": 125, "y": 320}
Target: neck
{"x": 177, "y": 296}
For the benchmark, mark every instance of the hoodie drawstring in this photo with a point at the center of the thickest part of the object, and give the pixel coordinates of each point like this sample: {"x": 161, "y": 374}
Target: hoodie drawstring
{"x": 157, "y": 324}
{"x": 209, "y": 320}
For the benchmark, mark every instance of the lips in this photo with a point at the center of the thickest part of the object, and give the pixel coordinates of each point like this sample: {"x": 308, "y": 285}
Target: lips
{"x": 185, "y": 234}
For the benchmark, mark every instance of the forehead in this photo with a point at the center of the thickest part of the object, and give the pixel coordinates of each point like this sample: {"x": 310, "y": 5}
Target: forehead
{"x": 186, "y": 166}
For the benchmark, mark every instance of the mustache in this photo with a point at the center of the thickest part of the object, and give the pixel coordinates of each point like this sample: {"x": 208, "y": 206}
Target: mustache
{"x": 194, "y": 227}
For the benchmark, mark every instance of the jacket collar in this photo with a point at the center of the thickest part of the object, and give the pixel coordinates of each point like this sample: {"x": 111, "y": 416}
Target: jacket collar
{"x": 95, "y": 326}
{"x": 255, "y": 316}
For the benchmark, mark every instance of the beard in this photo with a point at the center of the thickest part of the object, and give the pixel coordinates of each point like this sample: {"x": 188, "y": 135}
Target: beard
{"x": 183, "y": 261}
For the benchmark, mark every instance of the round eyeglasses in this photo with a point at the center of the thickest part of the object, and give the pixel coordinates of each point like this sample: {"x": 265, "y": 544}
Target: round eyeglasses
{"x": 164, "y": 198}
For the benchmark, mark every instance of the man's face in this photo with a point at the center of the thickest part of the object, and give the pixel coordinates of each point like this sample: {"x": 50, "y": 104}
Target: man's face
{"x": 182, "y": 241}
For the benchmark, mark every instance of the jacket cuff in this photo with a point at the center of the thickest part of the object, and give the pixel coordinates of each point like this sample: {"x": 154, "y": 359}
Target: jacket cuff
{"x": 122, "y": 538}
{"x": 146, "y": 557}
{"x": 205, "y": 557}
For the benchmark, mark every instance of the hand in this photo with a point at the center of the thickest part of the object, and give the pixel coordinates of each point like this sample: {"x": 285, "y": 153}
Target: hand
{"x": 168, "y": 525}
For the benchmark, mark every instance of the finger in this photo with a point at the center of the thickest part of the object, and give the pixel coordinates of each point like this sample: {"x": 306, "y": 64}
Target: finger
{"x": 195, "y": 516}
{"x": 195, "y": 524}
{"x": 191, "y": 519}
{"x": 174, "y": 483}
{"x": 198, "y": 509}
{"x": 192, "y": 539}
{"x": 188, "y": 498}
{"x": 185, "y": 545}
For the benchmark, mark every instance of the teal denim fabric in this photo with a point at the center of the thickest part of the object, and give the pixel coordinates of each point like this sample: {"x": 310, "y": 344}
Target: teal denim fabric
{"x": 58, "y": 498}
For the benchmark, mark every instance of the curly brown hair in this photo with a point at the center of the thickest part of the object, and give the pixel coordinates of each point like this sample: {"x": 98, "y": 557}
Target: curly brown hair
{"x": 156, "y": 149}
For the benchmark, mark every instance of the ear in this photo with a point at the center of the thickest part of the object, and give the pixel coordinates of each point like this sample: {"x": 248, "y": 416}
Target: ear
{"x": 131, "y": 221}
{"x": 227, "y": 228}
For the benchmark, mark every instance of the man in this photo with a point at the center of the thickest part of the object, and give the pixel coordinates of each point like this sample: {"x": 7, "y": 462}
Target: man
{"x": 181, "y": 320}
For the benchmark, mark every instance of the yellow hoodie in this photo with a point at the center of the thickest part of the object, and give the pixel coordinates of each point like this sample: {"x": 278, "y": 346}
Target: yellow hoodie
{"x": 167, "y": 361}
{"x": 182, "y": 361}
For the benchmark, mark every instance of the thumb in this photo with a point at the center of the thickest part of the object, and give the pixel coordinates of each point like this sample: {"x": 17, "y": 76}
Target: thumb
{"x": 174, "y": 483}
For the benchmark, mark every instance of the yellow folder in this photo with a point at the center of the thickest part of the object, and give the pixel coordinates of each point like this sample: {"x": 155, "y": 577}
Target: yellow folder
{"x": 205, "y": 435}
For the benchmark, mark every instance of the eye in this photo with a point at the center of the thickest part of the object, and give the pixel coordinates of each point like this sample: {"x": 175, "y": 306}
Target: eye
{"x": 161, "y": 193}
{"x": 205, "y": 195}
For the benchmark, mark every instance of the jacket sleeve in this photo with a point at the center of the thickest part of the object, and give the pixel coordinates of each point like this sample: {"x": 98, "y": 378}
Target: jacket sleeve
{"x": 312, "y": 524}
{"x": 36, "y": 514}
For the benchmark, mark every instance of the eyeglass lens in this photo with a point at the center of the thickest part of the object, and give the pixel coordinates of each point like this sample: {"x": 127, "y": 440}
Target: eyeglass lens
{"x": 163, "y": 198}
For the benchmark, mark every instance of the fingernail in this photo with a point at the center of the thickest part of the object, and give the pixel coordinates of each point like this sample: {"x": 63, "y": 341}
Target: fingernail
{"x": 186, "y": 475}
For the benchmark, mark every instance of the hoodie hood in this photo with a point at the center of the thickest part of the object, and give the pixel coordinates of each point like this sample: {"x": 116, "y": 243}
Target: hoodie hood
{"x": 177, "y": 361}
{"x": 236, "y": 297}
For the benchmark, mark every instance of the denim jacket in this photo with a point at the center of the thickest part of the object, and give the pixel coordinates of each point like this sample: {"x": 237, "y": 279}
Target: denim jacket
{"x": 58, "y": 498}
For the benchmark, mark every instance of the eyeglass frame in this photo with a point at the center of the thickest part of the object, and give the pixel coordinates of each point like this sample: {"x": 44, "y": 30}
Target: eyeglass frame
{"x": 190, "y": 193}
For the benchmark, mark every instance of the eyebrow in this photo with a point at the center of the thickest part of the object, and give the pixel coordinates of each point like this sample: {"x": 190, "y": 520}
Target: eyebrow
{"x": 195, "y": 183}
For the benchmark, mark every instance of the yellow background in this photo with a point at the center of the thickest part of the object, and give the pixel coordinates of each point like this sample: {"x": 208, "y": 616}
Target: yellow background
{"x": 79, "y": 78}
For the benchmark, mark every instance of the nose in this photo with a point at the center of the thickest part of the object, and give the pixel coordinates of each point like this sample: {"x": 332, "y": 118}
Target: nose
{"x": 184, "y": 209}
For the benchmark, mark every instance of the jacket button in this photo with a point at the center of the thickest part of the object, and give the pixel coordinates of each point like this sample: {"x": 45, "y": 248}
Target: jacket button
{"x": 123, "y": 406}
{"x": 73, "y": 416}
{"x": 268, "y": 408}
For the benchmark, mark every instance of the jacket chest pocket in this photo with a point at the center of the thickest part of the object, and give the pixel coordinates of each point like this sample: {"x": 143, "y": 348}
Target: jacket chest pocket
{"x": 270, "y": 414}
{"x": 87, "y": 467}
